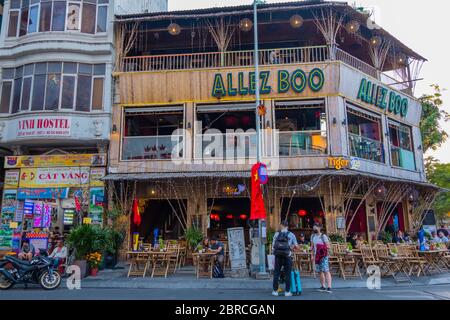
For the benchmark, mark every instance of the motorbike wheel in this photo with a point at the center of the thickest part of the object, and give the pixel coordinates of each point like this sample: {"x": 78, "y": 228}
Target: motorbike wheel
{"x": 5, "y": 284}
{"x": 50, "y": 281}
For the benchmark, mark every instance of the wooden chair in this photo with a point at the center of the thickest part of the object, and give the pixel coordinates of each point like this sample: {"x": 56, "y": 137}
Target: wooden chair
{"x": 368, "y": 258}
{"x": 205, "y": 264}
{"x": 138, "y": 265}
{"x": 350, "y": 264}
{"x": 160, "y": 264}
{"x": 416, "y": 262}
{"x": 173, "y": 259}
{"x": 335, "y": 260}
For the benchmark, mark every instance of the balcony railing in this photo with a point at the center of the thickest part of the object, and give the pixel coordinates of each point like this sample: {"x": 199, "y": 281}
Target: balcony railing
{"x": 149, "y": 147}
{"x": 215, "y": 60}
{"x": 301, "y": 143}
{"x": 365, "y": 148}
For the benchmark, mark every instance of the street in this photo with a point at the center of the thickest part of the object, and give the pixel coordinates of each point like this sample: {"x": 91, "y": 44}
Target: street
{"x": 436, "y": 292}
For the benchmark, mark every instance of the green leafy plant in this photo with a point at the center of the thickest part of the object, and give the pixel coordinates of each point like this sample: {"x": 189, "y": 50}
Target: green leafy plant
{"x": 337, "y": 238}
{"x": 386, "y": 237}
{"x": 350, "y": 247}
{"x": 270, "y": 235}
{"x": 81, "y": 239}
{"x": 193, "y": 237}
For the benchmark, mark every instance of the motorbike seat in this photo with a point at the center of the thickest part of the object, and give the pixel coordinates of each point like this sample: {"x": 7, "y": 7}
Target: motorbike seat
{"x": 18, "y": 261}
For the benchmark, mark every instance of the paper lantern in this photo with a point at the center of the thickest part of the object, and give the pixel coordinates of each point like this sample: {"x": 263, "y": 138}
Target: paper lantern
{"x": 296, "y": 21}
{"x": 246, "y": 24}
{"x": 246, "y": 120}
{"x": 302, "y": 213}
{"x": 375, "y": 41}
{"x": 380, "y": 192}
{"x": 174, "y": 29}
{"x": 352, "y": 26}
{"x": 243, "y": 217}
{"x": 230, "y": 216}
{"x": 230, "y": 121}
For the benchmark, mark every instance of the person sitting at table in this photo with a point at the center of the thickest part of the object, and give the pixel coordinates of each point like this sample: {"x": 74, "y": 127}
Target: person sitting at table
{"x": 359, "y": 241}
{"x": 203, "y": 245}
{"x": 353, "y": 240}
{"x": 442, "y": 238}
{"x": 59, "y": 254}
{"x": 434, "y": 237}
{"x": 27, "y": 252}
{"x": 302, "y": 240}
{"x": 218, "y": 248}
{"x": 399, "y": 237}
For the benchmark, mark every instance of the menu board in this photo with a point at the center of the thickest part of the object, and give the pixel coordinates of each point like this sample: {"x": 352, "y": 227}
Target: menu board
{"x": 236, "y": 243}
{"x": 7, "y": 216}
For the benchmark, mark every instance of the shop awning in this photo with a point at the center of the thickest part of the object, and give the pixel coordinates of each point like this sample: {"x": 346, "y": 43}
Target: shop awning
{"x": 246, "y": 174}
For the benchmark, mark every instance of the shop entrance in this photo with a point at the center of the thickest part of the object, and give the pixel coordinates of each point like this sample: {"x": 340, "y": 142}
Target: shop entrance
{"x": 228, "y": 213}
{"x": 393, "y": 222}
{"x": 167, "y": 217}
{"x": 302, "y": 214}
{"x": 359, "y": 222}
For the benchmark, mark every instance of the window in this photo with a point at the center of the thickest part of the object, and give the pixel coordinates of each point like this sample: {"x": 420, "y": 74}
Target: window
{"x": 53, "y": 86}
{"x": 33, "y": 19}
{"x": 402, "y": 153}
{"x": 148, "y": 132}
{"x": 302, "y": 127}
{"x": 365, "y": 139}
{"x": 30, "y": 16}
{"x": 13, "y": 22}
{"x": 238, "y": 120}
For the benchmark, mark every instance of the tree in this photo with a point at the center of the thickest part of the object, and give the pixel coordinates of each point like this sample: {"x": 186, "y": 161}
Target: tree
{"x": 439, "y": 174}
{"x": 433, "y": 136}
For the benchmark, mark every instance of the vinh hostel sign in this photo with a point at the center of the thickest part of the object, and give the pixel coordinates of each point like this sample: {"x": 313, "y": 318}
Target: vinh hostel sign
{"x": 245, "y": 84}
{"x": 382, "y": 98}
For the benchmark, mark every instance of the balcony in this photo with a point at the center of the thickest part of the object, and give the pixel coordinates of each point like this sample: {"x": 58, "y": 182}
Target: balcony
{"x": 302, "y": 143}
{"x": 365, "y": 148}
{"x": 267, "y": 57}
{"x": 150, "y": 148}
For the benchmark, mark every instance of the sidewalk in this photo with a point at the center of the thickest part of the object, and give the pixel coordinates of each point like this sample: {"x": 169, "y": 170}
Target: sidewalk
{"x": 186, "y": 279}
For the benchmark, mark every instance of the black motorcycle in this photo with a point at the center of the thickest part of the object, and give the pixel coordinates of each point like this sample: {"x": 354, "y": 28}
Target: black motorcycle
{"x": 38, "y": 271}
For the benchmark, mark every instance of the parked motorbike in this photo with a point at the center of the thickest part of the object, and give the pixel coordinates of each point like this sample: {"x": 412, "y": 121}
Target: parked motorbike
{"x": 38, "y": 271}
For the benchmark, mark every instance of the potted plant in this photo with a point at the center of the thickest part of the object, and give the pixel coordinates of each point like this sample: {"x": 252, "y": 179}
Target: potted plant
{"x": 193, "y": 237}
{"x": 394, "y": 252}
{"x": 94, "y": 260}
{"x": 350, "y": 248}
{"x": 81, "y": 239}
{"x": 161, "y": 244}
{"x": 337, "y": 238}
{"x": 306, "y": 248}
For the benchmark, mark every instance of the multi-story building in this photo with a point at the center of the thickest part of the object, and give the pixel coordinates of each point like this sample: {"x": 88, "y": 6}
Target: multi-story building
{"x": 56, "y": 63}
{"x": 338, "y": 115}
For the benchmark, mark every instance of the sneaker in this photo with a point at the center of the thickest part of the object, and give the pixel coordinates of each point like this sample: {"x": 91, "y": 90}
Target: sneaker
{"x": 275, "y": 293}
{"x": 328, "y": 290}
{"x": 288, "y": 294}
{"x": 322, "y": 289}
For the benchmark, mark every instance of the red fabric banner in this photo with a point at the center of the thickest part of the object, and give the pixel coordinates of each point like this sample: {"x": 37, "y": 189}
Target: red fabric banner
{"x": 257, "y": 210}
{"x": 77, "y": 204}
{"x": 136, "y": 213}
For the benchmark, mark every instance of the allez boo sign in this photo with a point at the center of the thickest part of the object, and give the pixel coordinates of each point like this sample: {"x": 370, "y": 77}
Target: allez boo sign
{"x": 44, "y": 127}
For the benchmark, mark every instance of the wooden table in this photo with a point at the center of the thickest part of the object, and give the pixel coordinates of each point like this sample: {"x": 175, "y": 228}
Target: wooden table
{"x": 397, "y": 268}
{"x": 434, "y": 258}
{"x": 305, "y": 257}
{"x": 351, "y": 258}
{"x": 205, "y": 263}
{"x": 160, "y": 261}
{"x": 138, "y": 263}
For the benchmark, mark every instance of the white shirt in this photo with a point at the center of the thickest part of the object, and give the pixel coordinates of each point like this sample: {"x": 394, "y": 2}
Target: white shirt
{"x": 60, "y": 253}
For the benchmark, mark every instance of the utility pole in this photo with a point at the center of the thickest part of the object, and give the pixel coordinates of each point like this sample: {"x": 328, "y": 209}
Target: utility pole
{"x": 262, "y": 274}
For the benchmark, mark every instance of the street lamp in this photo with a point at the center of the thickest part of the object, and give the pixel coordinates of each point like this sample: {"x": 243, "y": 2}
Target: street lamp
{"x": 262, "y": 257}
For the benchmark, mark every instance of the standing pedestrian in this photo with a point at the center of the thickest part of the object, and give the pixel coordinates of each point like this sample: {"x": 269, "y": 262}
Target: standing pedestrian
{"x": 320, "y": 245}
{"x": 283, "y": 243}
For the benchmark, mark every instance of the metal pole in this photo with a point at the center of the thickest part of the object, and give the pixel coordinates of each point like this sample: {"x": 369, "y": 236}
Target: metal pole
{"x": 262, "y": 256}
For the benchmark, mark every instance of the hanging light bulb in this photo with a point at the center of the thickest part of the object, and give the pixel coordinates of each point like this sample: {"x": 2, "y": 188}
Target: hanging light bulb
{"x": 174, "y": 29}
{"x": 375, "y": 41}
{"x": 352, "y": 26}
{"x": 246, "y": 24}
{"x": 296, "y": 21}
{"x": 402, "y": 59}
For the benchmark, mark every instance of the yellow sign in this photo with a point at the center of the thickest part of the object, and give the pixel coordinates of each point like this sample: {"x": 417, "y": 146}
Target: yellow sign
{"x": 65, "y": 160}
{"x": 12, "y": 179}
{"x": 54, "y": 177}
{"x": 13, "y": 225}
{"x": 97, "y": 174}
{"x": 338, "y": 163}
{"x": 87, "y": 221}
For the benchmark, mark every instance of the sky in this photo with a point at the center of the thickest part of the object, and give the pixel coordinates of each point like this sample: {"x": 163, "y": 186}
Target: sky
{"x": 421, "y": 25}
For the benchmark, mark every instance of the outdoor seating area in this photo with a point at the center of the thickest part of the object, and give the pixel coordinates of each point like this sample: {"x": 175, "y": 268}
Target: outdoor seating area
{"x": 157, "y": 260}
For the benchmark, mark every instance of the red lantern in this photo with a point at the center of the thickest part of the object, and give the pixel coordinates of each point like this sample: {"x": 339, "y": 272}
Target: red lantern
{"x": 229, "y": 216}
{"x": 302, "y": 213}
{"x": 321, "y": 213}
{"x": 243, "y": 216}
{"x": 246, "y": 120}
{"x": 230, "y": 121}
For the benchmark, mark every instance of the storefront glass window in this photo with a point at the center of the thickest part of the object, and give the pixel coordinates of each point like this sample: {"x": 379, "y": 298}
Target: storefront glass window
{"x": 148, "y": 135}
{"x": 365, "y": 139}
{"x": 402, "y": 154}
{"x": 85, "y": 16}
{"x": 41, "y": 84}
{"x": 302, "y": 128}
{"x": 6, "y": 97}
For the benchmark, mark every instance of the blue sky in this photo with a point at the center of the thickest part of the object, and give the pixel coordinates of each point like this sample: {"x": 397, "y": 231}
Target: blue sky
{"x": 421, "y": 25}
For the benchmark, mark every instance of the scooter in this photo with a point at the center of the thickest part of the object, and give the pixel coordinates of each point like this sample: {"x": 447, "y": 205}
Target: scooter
{"x": 38, "y": 271}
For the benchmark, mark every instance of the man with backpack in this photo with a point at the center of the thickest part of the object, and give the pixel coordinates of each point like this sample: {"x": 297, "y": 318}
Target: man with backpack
{"x": 283, "y": 243}
{"x": 320, "y": 245}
